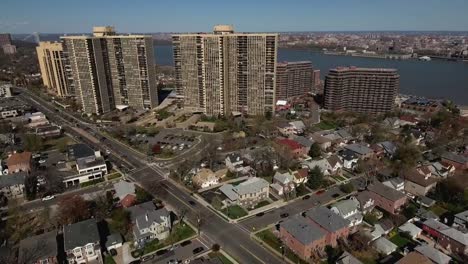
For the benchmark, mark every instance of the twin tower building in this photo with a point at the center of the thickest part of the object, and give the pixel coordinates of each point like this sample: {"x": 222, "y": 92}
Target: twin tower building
{"x": 216, "y": 73}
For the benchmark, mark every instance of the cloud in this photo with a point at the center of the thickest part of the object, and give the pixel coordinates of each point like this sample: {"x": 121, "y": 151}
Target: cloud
{"x": 13, "y": 25}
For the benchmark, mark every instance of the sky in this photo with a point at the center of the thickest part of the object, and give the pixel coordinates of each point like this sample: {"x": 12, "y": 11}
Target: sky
{"x": 77, "y": 16}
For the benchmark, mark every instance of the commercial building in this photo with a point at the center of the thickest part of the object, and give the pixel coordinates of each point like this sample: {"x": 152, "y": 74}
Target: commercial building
{"x": 362, "y": 90}
{"x": 5, "y": 90}
{"x": 110, "y": 70}
{"x": 52, "y": 63}
{"x": 223, "y": 72}
{"x": 5, "y": 39}
{"x": 293, "y": 79}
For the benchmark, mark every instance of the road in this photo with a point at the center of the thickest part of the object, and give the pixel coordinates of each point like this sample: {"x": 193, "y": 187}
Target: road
{"x": 233, "y": 238}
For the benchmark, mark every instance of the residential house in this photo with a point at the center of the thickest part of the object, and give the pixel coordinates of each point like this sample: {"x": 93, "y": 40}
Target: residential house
{"x": 40, "y": 249}
{"x": 395, "y": 183}
{"x": 114, "y": 241}
{"x": 366, "y": 202}
{"x": 414, "y": 257}
{"x": 17, "y": 162}
{"x": 350, "y": 159}
{"x": 344, "y": 134}
{"x": 384, "y": 246}
{"x": 408, "y": 120}
{"x": 323, "y": 142}
{"x": 386, "y": 224}
{"x": 411, "y": 229}
{"x": 12, "y": 185}
{"x": 125, "y": 191}
{"x": 322, "y": 164}
{"x": 294, "y": 148}
{"x": 301, "y": 176}
{"x": 283, "y": 183}
{"x": 302, "y": 237}
{"x": 417, "y": 183}
{"x": 234, "y": 162}
{"x": 391, "y": 122}
{"x": 361, "y": 150}
{"x": 387, "y": 198}
{"x": 336, "y": 226}
{"x": 247, "y": 194}
{"x": 425, "y": 201}
{"x": 153, "y": 224}
{"x": 206, "y": 177}
{"x": 82, "y": 243}
{"x": 348, "y": 209}
{"x": 458, "y": 161}
{"x": 447, "y": 237}
{"x": 303, "y": 141}
{"x": 461, "y": 219}
{"x": 335, "y": 164}
{"x": 291, "y": 128}
{"x": 389, "y": 148}
{"x": 347, "y": 258}
{"x": 433, "y": 254}
{"x": 441, "y": 169}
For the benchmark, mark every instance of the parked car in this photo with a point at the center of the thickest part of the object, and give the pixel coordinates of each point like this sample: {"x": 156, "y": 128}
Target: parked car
{"x": 161, "y": 252}
{"x": 197, "y": 250}
{"x": 146, "y": 258}
{"x": 336, "y": 195}
{"x": 284, "y": 215}
{"x": 192, "y": 203}
{"x": 306, "y": 197}
{"x": 48, "y": 197}
{"x": 186, "y": 243}
{"x": 260, "y": 214}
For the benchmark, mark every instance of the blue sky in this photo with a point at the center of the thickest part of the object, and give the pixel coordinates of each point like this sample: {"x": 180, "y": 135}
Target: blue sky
{"x": 53, "y": 16}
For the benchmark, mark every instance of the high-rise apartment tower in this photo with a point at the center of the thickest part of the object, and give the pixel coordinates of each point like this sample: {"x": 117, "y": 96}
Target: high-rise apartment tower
{"x": 293, "y": 79}
{"x": 52, "y": 63}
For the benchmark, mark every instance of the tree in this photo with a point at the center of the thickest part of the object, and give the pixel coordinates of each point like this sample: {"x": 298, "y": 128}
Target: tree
{"x": 217, "y": 203}
{"x": 142, "y": 196}
{"x": 406, "y": 157}
{"x": 62, "y": 145}
{"x": 120, "y": 221}
{"x": 72, "y": 209}
{"x": 347, "y": 188}
{"x": 332, "y": 254}
{"x": 315, "y": 151}
{"x": 215, "y": 247}
{"x": 30, "y": 186}
{"x": 315, "y": 180}
{"x": 33, "y": 143}
{"x": 410, "y": 211}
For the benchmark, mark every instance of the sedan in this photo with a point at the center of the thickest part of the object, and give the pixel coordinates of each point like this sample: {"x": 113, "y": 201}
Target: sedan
{"x": 284, "y": 215}
{"x": 306, "y": 197}
{"x": 48, "y": 197}
{"x": 197, "y": 250}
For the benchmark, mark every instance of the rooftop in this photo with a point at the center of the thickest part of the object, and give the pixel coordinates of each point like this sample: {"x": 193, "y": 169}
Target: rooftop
{"x": 433, "y": 254}
{"x": 346, "y": 207}
{"x": 155, "y": 216}
{"x": 359, "y": 149}
{"x": 327, "y": 219}
{"x": 19, "y": 158}
{"x": 421, "y": 180}
{"x": 38, "y": 247}
{"x": 385, "y": 191}
{"x": 302, "y": 230}
{"x": 414, "y": 257}
{"x": 77, "y": 151}
{"x": 291, "y": 144}
{"x": 123, "y": 188}
{"x": 80, "y": 234}
{"x": 12, "y": 179}
{"x": 455, "y": 157}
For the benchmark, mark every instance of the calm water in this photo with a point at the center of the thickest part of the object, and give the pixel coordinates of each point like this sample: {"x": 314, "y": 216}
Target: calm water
{"x": 435, "y": 79}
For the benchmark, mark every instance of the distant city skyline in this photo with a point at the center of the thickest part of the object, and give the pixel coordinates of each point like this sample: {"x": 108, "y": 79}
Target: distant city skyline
{"x": 51, "y": 16}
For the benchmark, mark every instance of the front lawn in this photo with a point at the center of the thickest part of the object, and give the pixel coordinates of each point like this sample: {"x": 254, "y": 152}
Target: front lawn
{"x": 271, "y": 240}
{"x": 220, "y": 256}
{"x": 261, "y": 204}
{"x": 301, "y": 190}
{"x": 91, "y": 183}
{"x": 234, "y": 211}
{"x": 179, "y": 233}
{"x": 109, "y": 260}
{"x": 399, "y": 240}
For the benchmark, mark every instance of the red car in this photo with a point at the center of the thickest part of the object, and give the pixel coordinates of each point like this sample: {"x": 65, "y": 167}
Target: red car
{"x": 320, "y": 192}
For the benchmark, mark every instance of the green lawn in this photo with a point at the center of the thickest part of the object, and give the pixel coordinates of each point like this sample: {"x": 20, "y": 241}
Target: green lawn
{"x": 179, "y": 233}
{"x": 261, "y": 204}
{"x": 301, "y": 190}
{"x": 91, "y": 183}
{"x": 399, "y": 240}
{"x": 234, "y": 211}
{"x": 109, "y": 260}
{"x": 114, "y": 175}
{"x": 438, "y": 210}
{"x": 326, "y": 125}
{"x": 270, "y": 239}
{"x": 220, "y": 256}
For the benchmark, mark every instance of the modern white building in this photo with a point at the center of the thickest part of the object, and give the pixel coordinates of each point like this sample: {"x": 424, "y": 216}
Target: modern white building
{"x": 5, "y": 90}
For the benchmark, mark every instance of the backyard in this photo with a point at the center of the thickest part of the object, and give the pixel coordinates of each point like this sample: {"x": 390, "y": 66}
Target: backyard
{"x": 400, "y": 241}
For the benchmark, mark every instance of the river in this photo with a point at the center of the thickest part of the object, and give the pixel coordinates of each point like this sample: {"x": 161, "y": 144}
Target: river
{"x": 433, "y": 79}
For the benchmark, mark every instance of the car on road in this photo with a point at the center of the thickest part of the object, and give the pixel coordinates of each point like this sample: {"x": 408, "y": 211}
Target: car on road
{"x": 197, "y": 250}
{"x": 146, "y": 258}
{"x": 317, "y": 203}
{"x": 306, "y": 197}
{"x": 48, "y": 197}
{"x": 186, "y": 243}
{"x": 284, "y": 215}
{"x": 135, "y": 262}
{"x": 192, "y": 203}
{"x": 161, "y": 252}
{"x": 42, "y": 161}
{"x": 336, "y": 195}
{"x": 260, "y": 214}
{"x": 320, "y": 192}
{"x": 173, "y": 261}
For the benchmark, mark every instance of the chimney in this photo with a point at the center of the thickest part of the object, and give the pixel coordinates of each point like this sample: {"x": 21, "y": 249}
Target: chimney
{"x": 97, "y": 154}
{"x": 146, "y": 217}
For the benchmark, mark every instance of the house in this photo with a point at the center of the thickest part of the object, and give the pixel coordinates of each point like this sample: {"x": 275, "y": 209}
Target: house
{"x": 322, "y": 164}
{"x": 425, "y": 201}
{"x": 323, "y": 142}
{"x": 12, "y": 185}
{"x": 206, "y": 177}
{"x": 362, "y": 151}
{"x": 294, "y": 148}
{"x": 408, "y": 120}
{"x": 411, "y": 229}
{"x": 441, "y": 169}
{"x": 335, "y": 164}
{"x": 17, "y": 162}
{"x": 414, "y": 257}
{"x": 417, "y": 136}
{"x": 303, "y": 141}
{"x": 366, "y": 202}
{"x": 297, "y": 126}
{"x": 417, "y": 183}
{"x": 386, "y": 225}
{"x": 302, "y": 237}
{"x": 458, "y": 161}
{"x": 283, "y": 183}
{"x": 301, "y": 176}
{"x": 291, "y": 128}
{"x": 447, "y": 237}
{"x": 433, "y": 254}
{"x": 384, "y": 246}
{"x": 247, "y": 194}
{"x": 234, "y": 162}
{"x": 387, "y": 198}
{"x": 125, "y": 191}
{"x": 389, "y": 148}
{"x": 39, "y": 249}
{"x": 347, "y": 258}
{"x": 391, "y": 122}
{"x": 36, "y": 119}
{"x": 344, "y": 134}
{"x": 114, "y": 241}
{"x": 461, "y": 219}
{"x": 395, "y": 183}
{"x": 336, "y": 226}
{"x": 81, "y": 242}
{"x": 153, "y": 224}
{"x": 348, "y": 209}
{"x": 350, "y": 159}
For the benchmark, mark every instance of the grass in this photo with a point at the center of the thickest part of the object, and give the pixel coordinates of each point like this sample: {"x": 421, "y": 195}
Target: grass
{"x": 113, "y": 176}
{"x": 261, "y": 204}
{"x": 301, "y": 190}
{"x": 271, "y": 240}
{"x": 399, "y": 240}
{"x": 326, "y": 125}
{"x": 109, "y": 260}
{"x": 91, "y": 183}
{"x": 180, "y": 232}
{"x": 220, "y": 256}
{"x": 234, "y": 211}
{"x": 438, "y": 210}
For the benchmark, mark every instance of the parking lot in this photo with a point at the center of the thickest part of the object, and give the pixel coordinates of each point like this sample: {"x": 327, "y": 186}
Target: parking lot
{"x": 174, "y": 142}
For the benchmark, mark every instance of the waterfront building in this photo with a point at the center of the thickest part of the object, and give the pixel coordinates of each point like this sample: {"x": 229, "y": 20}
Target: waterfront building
{"x": 223, "y": 72}
{"x": 293, "y": 79}
{"x": 5, "y": 39}
{"x": 52, "y": 64}
{"x": 110, "y": 70}
{"x": 361, "y": 90}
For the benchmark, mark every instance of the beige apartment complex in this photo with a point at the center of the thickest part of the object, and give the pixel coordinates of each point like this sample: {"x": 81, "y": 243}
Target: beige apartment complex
{"x": 223, "y": 72}
{"x": 53, "y": 68}
{"x": 109, "y": 70}
{"x": 293, "y": 79}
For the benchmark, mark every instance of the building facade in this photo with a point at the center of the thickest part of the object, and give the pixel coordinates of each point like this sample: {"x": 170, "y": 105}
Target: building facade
{"x": 362, "y": 90}
{"x": 110, "y": 69}
{"x": 52, "y": 63}
{"x": 5, "y": 39}
{"x": 293, "y": 79}
{"x": 223, "y": 72}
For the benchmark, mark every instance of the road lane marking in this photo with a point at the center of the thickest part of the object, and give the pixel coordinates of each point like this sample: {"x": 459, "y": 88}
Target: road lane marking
{"x": 248, "y": 251}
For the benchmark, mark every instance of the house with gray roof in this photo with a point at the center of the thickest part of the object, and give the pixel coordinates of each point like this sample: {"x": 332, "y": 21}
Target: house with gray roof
{"x": 389, "y": 147}
{"x": 336, "y": 226}
{"x": 348, "y": 209}
{"x": 307, "y": 143}
{"x": 12, "y": 185}
{"x": 81, "y": 241}
{"x": 384, "y": 246}
{"x": 460, "y": 162}
{"x": 411, "y": 229}
{"x": 361, "y": 150}
{"x": 247, "y": 194}
{"x": 433, "y": 254}
{"x": 447, "y": 237}
{"x": 283, "y": 183}
{"x": 39, "y": 249}
{"x": 347, "y": 258}
{"x": 461, "y": 219}
{"x": 151, "y": 225}
{"x": 386, "y": 197}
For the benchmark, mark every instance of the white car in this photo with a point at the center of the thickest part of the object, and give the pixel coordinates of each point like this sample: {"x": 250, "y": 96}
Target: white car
{"x": 42, "y": 161}
{"x": 48, "y": 197}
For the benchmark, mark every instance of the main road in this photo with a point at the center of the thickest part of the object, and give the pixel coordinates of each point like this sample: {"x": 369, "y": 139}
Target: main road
{"x": 233, "y": 238}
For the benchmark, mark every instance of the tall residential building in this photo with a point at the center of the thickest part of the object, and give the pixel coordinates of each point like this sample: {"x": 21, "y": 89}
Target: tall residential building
{"x": 223, "y": 72}
{"x": 293, "y": 79}
{"x": 316, "y": 81}
{"x": 9, "y": 49}
{"x": 52, "y": 63}
{"x": 5, "y": 39}
{"x": 110, "y": 70}
{"x": 362, "y": 90}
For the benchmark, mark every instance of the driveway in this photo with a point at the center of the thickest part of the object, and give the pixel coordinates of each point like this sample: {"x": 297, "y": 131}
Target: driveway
{"x": 126, "y": 256}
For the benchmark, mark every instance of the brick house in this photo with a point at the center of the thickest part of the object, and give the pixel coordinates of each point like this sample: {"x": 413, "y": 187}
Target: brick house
{"x": 19, "y": 162}
{"x": 449, "y": 238}
{"x": 387, "y": 198}
{"x": 417, "y": 183}
{"x": 458, "y": 161}
{"x": 296, "y": 149}
{"x": 336, "y": 227}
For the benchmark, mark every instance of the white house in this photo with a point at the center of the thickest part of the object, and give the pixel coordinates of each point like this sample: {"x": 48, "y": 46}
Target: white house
{"x": 323, "y": 164}
{"x": 81, "y": 242}
{"x": 348, "y": 209}
{"x": 283, "y": 183}
{"x": 154, "y": 224}
{"x": 234, "y": 162}
{"x": 411, "y": 229}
